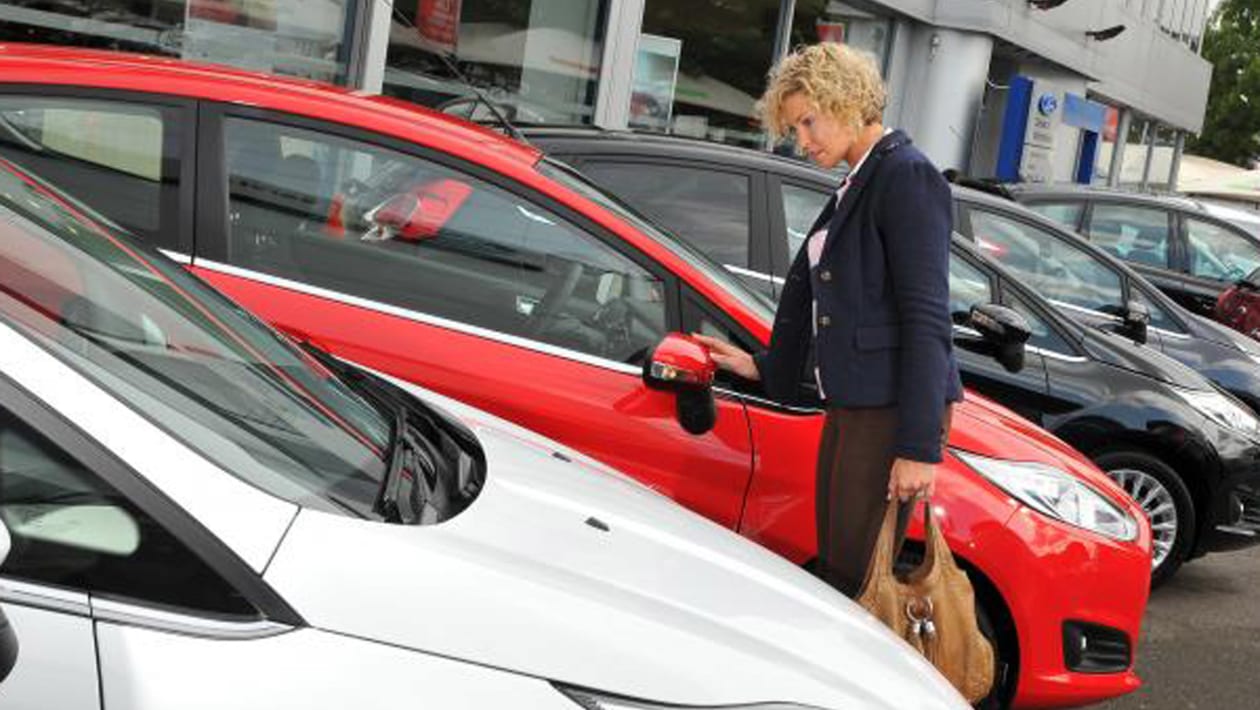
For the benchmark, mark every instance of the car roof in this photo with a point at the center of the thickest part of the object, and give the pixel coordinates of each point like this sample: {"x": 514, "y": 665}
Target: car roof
{"x": 1086, "y": 192}
{"x": 584, "y": 140}
{"x": 44, "y": 65}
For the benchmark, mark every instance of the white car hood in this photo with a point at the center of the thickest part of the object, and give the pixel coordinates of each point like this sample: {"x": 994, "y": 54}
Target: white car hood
{"x": 661, "y": 605}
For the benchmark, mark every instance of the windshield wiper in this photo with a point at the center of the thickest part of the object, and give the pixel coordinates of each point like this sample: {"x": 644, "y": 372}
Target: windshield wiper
{"x": 410, "y": 484}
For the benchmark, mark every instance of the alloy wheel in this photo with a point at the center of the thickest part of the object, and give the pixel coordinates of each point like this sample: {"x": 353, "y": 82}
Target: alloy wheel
{"x": 1158, "y": 504}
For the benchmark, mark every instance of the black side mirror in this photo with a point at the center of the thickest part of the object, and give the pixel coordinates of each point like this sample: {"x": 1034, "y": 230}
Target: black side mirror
{"x": 1134, "y": 321}
{"x": 1000, "y": 332}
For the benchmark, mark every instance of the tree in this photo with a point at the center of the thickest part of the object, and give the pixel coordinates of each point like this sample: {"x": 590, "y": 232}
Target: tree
{"x": 1231, "y": 129}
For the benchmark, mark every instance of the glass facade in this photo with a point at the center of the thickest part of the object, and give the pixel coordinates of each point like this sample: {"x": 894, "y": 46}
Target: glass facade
{"x": 831, "y": 21}
{"x": 539, "y": 60}
{"x": 722, "y": 63}
{"x": 305, "y": 38}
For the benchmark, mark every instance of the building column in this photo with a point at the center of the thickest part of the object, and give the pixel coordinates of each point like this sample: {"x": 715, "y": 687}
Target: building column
{"x": 1150, "y": 154}
{"x": 1179, "y": 147}
{"x": 944, "y": 84}
{"x": 1117, "y": 151}
{"x": 616, "y": 69}
{"x": 371, "y": 42}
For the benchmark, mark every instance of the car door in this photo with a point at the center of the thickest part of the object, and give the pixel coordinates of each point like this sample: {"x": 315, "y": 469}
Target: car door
{"x": 1142, "y": 236}
{"x": 127, "y": 156}
{"x": 1218, "y": 255}
{"x": 93, "y": 562}
{"x": 421, "y": 266}
{"x": 718, "y": 209}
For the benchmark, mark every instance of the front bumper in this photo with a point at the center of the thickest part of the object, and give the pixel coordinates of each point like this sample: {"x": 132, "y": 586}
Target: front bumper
{"x": 1057, "y": 577}
{"x": 1234, "y": 518}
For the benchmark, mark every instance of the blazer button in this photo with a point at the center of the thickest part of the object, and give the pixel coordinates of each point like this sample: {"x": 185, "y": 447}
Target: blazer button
{"x": 825, "y": 274}
{"x": 824, "y": 321}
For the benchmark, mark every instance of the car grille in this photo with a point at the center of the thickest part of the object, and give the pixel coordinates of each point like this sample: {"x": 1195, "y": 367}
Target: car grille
{"x": 1090, "y": 648}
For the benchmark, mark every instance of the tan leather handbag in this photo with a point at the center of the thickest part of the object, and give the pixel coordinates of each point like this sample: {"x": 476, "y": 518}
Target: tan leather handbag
{"x": 933, "y": 608}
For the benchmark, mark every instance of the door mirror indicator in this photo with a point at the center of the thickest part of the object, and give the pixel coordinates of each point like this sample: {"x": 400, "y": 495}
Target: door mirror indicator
{"x": 680, "y": 364}
{"x": 418, "y": 214}
{"x": 999, "y": 332}
{"x": 1134, "y": 322}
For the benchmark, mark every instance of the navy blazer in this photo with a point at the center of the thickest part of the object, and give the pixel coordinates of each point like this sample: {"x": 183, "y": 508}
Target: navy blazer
{"x": 884, "y": 335}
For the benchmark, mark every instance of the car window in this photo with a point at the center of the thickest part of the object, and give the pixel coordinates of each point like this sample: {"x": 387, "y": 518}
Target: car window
{"x": 968, "y": 286}
{"x": 801, "y": 206}
{"x": 122, "y": 159}
{"x": 1133, "y": 233}
{"x": 72, "y": 529}
{"x": 1160, "y": 318}
{"x": 709, "y": 208}
{"x": 1067, "y": 214}
{"x": 1043, "y": 335}
{"x": 1049, "y": 264}
{"x": 383, "y": 225}
{"x": 1219, "y": 253}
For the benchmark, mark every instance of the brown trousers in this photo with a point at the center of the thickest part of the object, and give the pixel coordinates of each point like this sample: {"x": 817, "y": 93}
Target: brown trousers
{"x": 854, "y": 462}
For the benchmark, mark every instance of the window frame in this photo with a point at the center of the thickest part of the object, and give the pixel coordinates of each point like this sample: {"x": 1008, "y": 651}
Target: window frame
{"x": 213, "y": 232}
{"x": 186, "y": 112}
{"x": 1023, "y": 220}
{"x": 185, "y": 529}
{"x": 758, "y": 253}
{"x": 1176, "y": 250}
{"x": 1183, "y": 237}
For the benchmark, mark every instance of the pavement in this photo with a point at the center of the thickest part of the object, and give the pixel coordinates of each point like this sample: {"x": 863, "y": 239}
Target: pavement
{"x": 1200, "y": 645}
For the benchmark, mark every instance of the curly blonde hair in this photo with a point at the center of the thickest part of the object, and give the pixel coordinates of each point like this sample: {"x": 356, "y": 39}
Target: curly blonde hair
{"x": 839, "y": 80}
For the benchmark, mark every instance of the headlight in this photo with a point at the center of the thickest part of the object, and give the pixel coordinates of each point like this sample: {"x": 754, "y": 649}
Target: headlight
{"x": 1222, "y": 409}
{"x": 1055, "y": 493}
{"x": 595, "y": 701}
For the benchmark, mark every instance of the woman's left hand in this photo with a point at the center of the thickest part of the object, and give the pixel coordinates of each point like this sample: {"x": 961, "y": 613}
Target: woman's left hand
{"x": 910, "y": 479}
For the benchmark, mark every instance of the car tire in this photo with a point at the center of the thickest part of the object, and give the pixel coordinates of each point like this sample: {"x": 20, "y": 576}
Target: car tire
{"x": 1155, "y": 486}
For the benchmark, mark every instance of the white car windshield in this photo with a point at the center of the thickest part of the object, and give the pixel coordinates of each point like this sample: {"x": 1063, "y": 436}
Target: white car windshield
{"x": 183, "y": 356}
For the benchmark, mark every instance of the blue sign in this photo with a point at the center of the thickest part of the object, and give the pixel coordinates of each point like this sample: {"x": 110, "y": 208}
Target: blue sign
{"x": 1047, "y": 104}
{"x": 1080, "y": 112}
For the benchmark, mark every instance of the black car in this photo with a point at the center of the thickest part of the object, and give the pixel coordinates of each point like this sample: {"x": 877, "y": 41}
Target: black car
{"x": 1090, "y": 285}
{"x": 1188, "y": 452}
{"x": 1182, "y": 245}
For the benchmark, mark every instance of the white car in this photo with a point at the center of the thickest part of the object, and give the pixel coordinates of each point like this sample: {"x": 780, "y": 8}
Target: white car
{"x": 204, "y": 515}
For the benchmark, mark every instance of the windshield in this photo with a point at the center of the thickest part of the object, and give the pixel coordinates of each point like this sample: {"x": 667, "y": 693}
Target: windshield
{"x": 185, "y": 357}
{"x": 760, "y": 305}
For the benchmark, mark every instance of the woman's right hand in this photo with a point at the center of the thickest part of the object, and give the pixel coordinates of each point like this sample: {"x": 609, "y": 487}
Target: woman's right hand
{"x": 729, "y": 357}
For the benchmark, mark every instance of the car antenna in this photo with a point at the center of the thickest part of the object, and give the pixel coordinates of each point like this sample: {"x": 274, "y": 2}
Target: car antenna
{"x": 446, "y": 58}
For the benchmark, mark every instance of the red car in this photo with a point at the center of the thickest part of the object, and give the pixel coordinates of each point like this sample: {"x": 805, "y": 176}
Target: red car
{"x": 445, "y": 254}
{"x": 1239, "y": 305}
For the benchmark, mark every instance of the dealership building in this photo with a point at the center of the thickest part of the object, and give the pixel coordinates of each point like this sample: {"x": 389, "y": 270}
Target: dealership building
{"x": 1100, "y": 91}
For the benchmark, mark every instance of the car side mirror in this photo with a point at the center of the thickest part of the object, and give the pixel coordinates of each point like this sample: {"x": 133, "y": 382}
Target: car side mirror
{"x": 416, "y": 215}
{"x": 680, "y": 364}
{"x": 1134, "y": 321}
{"x": 8, "y": 638}
{"x": 999, "y": 332}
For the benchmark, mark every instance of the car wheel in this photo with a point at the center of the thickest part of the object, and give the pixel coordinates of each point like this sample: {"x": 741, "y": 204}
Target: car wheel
{"x": 1163, "y": 496}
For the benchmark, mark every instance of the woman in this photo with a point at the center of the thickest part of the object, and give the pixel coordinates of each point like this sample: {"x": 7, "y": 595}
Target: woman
{"x": 869, "y": 291}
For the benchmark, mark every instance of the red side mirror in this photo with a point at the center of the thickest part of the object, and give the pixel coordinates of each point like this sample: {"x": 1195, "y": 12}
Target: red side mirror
{"x": 679, "y": 362}
{"x": 420, "y": 213}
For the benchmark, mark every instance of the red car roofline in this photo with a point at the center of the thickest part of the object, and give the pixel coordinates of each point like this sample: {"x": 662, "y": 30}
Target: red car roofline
{"x": 41, "y": 64}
